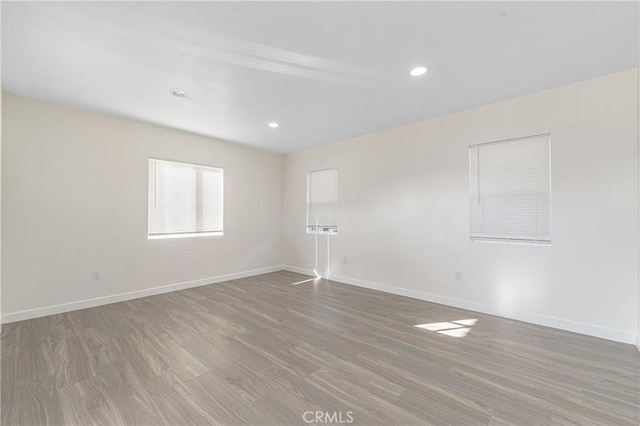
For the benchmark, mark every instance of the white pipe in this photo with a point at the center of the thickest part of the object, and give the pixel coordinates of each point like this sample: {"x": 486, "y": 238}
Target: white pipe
{"x": 328, "y": 257}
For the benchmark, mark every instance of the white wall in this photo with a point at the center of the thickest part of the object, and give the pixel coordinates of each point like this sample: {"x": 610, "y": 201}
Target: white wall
{"x": 0, "y": 171}
{"x": 74, "y": 186}
{"x": 638, "y": 157}
{"x": 404, "y": 213}
{"x": 74, "y": 199}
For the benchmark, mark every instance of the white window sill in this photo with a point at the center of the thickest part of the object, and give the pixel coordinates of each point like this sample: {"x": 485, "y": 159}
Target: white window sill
{"x": 322, "y": 230}
{"x": 186, "y": 235}
{"x": 512, "y": 242}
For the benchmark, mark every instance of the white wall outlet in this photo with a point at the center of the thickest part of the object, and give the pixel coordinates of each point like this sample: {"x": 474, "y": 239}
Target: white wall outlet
{"x": 345, "y": 260}
{"x": 458, "y": 276}
{"x": 259, "y": 254}
{"x": 96, "y": 275}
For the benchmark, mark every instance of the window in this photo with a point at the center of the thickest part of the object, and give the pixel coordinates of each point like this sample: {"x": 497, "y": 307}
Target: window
{"x": 510, "y": 189}
{"x": 322, "y": 202}
{"x": 184, "y": 199}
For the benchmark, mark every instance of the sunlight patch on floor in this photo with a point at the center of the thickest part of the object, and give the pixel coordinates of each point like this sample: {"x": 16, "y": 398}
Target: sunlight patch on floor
{"x": 458, "y": 328}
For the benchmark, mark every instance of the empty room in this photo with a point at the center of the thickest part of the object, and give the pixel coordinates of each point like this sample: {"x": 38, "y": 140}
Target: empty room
{"x": 314, "y": 213}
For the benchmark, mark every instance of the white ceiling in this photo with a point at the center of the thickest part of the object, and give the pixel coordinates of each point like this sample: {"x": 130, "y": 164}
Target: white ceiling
{"x": 324, "y": 71}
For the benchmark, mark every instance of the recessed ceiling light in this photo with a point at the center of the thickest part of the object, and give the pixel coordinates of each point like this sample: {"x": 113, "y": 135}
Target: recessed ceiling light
{"x": 418, "y": 71}
{"x": 179, "y": 93}
{"x": 273, "y": 125}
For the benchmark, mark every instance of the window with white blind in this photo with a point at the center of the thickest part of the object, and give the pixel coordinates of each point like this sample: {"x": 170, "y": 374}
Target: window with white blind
{"x": 510, "y": 190}
{"x": 322, "y": 202}
{"x": 184, "y": 199}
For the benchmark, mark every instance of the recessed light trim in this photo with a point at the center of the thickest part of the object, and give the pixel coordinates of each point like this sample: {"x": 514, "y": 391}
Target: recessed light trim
{"x": 273, "y": 125}
{"x": 418, "y": 71}
{"x": 179, "y": 93}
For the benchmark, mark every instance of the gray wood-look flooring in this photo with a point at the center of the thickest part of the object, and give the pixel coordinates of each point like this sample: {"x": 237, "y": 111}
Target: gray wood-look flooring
{"x": 261, "y": 351}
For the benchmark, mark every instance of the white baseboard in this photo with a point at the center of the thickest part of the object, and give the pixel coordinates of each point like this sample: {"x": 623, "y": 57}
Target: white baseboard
{"x": 576, "y": 327}
{"x": 302, "y": 271}
{"x": 121, "y": 297}
{"x": 587, "y": 329}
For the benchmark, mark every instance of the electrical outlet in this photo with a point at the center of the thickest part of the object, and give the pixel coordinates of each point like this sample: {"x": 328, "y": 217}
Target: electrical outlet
{"x": 458, "y": 276}
{"x": 345, "y": 260}
{"x": 259, "y": 254}
{"x": 96, "y": 275}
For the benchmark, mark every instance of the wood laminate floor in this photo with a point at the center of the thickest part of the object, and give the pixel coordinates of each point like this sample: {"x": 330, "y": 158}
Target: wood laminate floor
{"x": 261, "y": 351}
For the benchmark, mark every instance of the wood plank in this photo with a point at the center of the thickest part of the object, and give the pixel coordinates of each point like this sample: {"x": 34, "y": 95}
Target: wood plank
{"x": 261, "y": 351}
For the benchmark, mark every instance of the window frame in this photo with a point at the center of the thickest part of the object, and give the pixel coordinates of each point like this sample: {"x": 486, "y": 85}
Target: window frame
{"x": 321, "y": 229}
{"x": 507, "y": 240}
{"x": 189, "y": 234}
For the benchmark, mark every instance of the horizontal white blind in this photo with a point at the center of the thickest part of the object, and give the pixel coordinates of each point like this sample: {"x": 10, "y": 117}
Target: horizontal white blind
{"x": 510, "y": 190}
{"x": 322, "y": 201}
{"x": 184, "y": 198}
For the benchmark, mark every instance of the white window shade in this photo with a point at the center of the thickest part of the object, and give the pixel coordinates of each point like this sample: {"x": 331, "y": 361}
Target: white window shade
{"x": 510, "y": 190}
{"x": 322, "y": 202}
{"x": 184, "y": 199}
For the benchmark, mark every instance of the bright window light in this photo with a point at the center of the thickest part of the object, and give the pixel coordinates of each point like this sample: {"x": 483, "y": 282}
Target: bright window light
{"x": 185, "y": 200}
{"x": 457, "y": 328}
{"x": 456, "y": 332}
{"x": 469, "y": 322}
{"x": 322, "y": 202}
{"x": 437, "y": 326}
{"x": 510, "y": 190}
